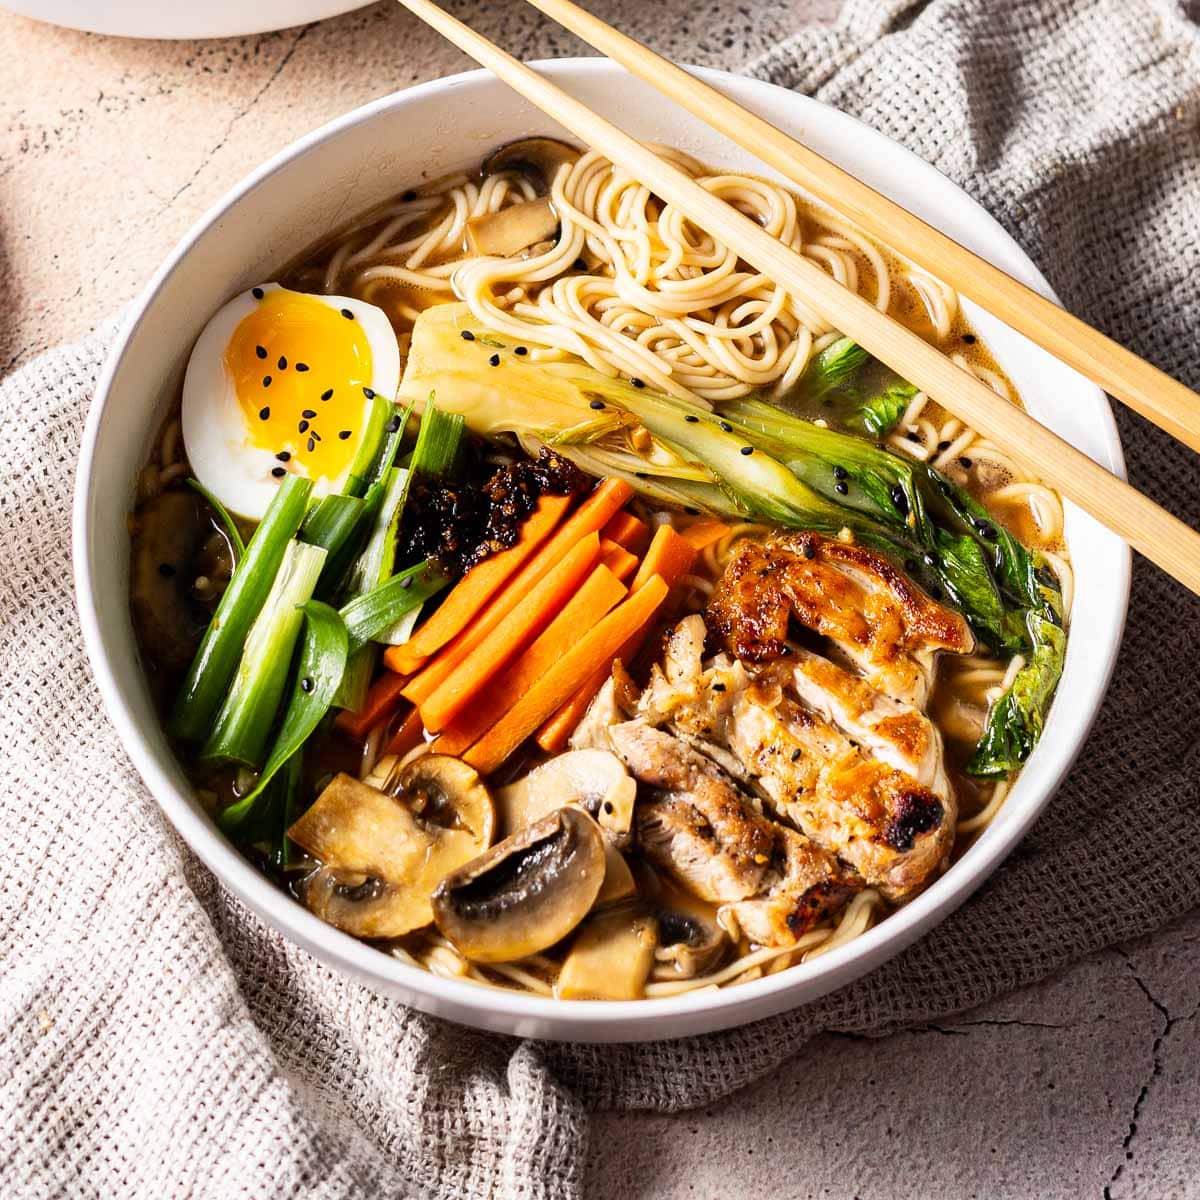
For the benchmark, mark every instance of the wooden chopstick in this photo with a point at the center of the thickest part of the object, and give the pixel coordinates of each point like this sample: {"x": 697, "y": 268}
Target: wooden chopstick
{"x": 1151, "y": 530}
{"x": 1136, "y": 383}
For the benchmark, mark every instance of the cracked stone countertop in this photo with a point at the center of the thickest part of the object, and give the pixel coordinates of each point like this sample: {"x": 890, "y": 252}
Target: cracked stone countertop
{"x": 1083, "y": 1086}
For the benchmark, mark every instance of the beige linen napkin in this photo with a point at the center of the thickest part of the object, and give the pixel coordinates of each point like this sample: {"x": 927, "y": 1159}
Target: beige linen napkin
{"x": 157, "y": 1040}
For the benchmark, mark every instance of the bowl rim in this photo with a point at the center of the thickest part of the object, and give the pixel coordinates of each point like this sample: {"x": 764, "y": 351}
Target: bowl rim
{"x": 494, "y": 1008}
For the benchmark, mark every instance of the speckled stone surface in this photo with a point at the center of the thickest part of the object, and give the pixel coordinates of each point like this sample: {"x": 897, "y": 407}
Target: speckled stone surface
{"x": 1083, "y": 1086}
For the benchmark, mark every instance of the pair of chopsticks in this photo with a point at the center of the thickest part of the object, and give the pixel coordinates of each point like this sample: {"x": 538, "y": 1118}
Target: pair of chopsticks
{"x": 1149, "y": 529}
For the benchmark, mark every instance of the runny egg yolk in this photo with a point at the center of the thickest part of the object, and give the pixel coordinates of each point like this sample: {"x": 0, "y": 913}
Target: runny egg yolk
{"x": 301, "y": 371}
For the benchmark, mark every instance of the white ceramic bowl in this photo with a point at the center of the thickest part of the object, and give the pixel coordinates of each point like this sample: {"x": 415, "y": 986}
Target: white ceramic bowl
{"x": 357, "y": 161}
{"x": 202, "y": 19}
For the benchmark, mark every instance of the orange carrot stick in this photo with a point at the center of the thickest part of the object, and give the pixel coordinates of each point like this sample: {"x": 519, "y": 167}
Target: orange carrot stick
{"x": 617, "y": 559}
{"x": 671, "y": 557}
{"x": 593, "y": 514}
{"x": 383, "y": 697}
{"x": 596, "y": 648}
{"x": 512, "y": 635}
{"x": 476, "y": 588}
{"x": 408, "y": 736}
{"x": 704, "y": 532}
{"x": 601, "y": 592}
{"x": 627, "y": 530}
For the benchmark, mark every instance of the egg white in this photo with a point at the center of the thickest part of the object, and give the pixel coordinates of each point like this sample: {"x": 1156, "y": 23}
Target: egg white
{"x": 215, "y": 435}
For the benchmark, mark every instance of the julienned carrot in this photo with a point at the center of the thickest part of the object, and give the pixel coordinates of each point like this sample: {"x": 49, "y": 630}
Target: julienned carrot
{"x": 627, "y": 530}
{"x": 593, "y": 650}
{"x": 383, "y": 698}
{"x": 670, "y": 557}
{"x": 704, "y": 532}
{"x": 476, "y": 588}
{"x": 408, "y": 736}
{"x": 593, "y": 514}
{"x": 617, "y": 559}
{"x": 531, "y": 615}
{"x": 601, "y": 592}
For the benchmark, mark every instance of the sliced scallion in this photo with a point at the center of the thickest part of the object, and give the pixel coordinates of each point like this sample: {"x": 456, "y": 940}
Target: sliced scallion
{"x": 207, "y": 681}
{"x": 376, "y": 610}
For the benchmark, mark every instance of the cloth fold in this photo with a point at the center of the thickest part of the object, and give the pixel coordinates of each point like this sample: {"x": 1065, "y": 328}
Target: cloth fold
{"x": 156, "y": 1039}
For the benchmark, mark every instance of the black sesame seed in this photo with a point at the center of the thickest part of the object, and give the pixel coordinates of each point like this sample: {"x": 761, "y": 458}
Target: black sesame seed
{"x": 311, "y": 445}
{"x": 899, "y": 499}
{"x": 166, "y": 570}
{"x": 302, "y": 366}
{"x": 795, "y": 755}
{"x": 718, "y": 687}
{"x": 283, "y": 455}
{"x": 264, "y": 414}
{"x": 393, "y": 425}
{"x": 725, "y": 425}
{"x": 327, "y": 394}
{"x": 282, "y": 363}
{"x": 266, "y": 381}
{"x": 315, "y": 435}
{"x": 840, "y": 473}
{"x": 521, "y": 350}
{"x": 406, "y": 583}
{"x": 309, "y": 413}
{"x": 988, "y": 531}
{"x": 965, "y": 463}
{"x": 307, "y": 684}
{"x": 261, "y": 351}
{"x": 343, "y": 434}
{"x": 347, "y": 314}
{"x": 943, "y": 445}
{"x": 969, "y": 338}
{"x": 278, "y": 472}
{"x": 303, "y": 427}
{"x": 580, "y": 265}
{"x": 841, "y": 488}
{"x": 747, "y": 450}
{"x": 596, "y": 404}
{"x": 810, "y": 551}
{"x": 467, "y": 335}
{"x": 494, "y": 360}
{"x": 638, "y": 383}
{"x": 369, "y": 393}
{"x": 690, "y": 419}
{"x": 257, "y": 293}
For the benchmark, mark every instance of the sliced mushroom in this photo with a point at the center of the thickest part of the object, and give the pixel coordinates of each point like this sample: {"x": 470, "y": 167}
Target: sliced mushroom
{"x": 445, "y": 791}
{"x": 381, "y": 857}
{"x": 611, "y": 956}
{"x": 618, "y": 878}
{"x": 539, "y": 159}
{"x": 595, "y": 780}
{"x": 169, "y": 621}
{"x": 508, "y": 231}
{"x": 525, "y": 893}
{"x": 691, "y": 943}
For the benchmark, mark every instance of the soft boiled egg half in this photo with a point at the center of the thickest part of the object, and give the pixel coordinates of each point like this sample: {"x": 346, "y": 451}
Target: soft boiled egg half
{"x": 283, "y": 382}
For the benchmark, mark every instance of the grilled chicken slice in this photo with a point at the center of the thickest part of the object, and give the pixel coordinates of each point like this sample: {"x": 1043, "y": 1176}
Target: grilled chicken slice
{"x": 693, "y": 823}
{"x": 883, "y": 624}
{"x": 804, "y": 886}
{"x": 896, "y": 733}
{"x": 873, "y": 791}
{"x": 892, "y": 830}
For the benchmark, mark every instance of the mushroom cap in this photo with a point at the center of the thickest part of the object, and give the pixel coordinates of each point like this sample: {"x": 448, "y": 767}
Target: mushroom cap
{"x": 380, "y": 859}
{"x": 595, "y": 780}
{"x": 525, "y": 893}
{"x": 537, "y": 158}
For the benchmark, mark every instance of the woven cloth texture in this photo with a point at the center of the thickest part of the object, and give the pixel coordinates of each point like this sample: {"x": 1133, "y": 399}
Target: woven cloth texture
{"x": 157, "y": 1040}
